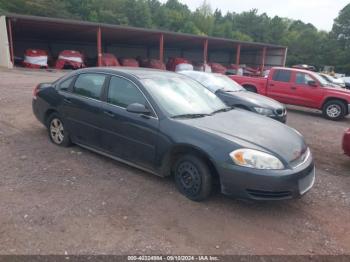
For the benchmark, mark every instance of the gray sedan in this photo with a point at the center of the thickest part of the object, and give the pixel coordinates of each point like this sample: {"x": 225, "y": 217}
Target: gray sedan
{"x": 170, "y": 125}
{"x": 235, "y": 95}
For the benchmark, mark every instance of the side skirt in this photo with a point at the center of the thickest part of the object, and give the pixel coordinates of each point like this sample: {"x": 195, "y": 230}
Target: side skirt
{"x": 119, "y": 159}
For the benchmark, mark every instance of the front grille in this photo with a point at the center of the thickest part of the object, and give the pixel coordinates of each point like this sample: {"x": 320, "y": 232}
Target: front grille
{"x": 269, "y": 194}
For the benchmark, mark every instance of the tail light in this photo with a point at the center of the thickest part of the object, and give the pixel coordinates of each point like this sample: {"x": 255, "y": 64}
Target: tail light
{"x": 35, "y": 91}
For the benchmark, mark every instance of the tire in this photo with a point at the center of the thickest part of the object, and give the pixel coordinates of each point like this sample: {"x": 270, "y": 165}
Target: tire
{"x": 57, "y": 132}
{"x": 250, "y": 89}
{"x": 334, "y": 110}
{"x": 192, "y": 177}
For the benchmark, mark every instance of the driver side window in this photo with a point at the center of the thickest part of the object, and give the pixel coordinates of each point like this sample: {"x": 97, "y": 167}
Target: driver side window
{"x": 303, "y": 79}
{"x": 122, "y": 93}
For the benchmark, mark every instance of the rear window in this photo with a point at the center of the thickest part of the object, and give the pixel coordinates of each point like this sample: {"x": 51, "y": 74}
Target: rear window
{"x": 65, "y": 84}
{"x": 282, "y": 75}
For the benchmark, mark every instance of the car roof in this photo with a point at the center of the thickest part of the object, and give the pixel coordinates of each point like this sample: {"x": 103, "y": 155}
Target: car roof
{"x": 294, "y": 69}
{"x": 137, "y": 72}
{"x": 192, "y": 72}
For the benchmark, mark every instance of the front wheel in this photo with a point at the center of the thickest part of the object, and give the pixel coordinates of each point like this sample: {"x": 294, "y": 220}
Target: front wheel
{"x": 57, "y": 132}
{"x": 334, "y": 110}
{"x": 192, "y": 177}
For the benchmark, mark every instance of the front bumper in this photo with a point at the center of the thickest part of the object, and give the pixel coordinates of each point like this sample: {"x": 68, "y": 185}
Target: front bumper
{"x": 247, "y": 183}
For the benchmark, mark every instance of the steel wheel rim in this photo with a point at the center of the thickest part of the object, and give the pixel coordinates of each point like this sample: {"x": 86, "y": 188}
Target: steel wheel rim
{"x": 189, "y": 178}
{"x": 333, "y": 111}
{"x": 56, "y": 131}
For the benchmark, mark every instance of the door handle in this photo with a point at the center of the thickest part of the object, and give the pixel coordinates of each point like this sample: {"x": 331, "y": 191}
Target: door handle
{"x": 108, "y": 113}
{"x": 67, "y": 100}
{"x": 293, "y": 87}
{"x": 272, "y": 85}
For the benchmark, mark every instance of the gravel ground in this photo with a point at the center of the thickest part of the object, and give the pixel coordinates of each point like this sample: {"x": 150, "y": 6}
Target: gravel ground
{"x": 71, "y": 201}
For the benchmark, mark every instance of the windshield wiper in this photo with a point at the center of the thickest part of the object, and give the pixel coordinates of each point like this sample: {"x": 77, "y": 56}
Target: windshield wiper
{"x": 190, "y": 116}
{"x": 226, "y": 109}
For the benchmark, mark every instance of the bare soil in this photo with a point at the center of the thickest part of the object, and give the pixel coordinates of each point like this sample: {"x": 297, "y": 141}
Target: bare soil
{"x": 57, "y": 200}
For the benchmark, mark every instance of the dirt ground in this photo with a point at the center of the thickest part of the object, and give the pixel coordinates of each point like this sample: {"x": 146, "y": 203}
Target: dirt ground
{"x": 55, "y": 200}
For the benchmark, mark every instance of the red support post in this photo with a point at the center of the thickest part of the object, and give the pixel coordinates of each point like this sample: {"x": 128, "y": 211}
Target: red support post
{"x": 9, "y": 25}
{"x": 205, "y": 51}
{"x": 284, "y": 56}
{"x": 238, "y": 55}
{"x": 263, "y": 58}
{"x": 161, "y": 48}
{"x": 99, "y": 47}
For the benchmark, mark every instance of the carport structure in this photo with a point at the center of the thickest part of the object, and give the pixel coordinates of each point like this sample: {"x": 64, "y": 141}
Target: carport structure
{"x": 55, "y": 35}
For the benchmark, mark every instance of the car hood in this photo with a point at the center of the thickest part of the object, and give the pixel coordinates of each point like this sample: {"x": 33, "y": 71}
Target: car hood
{"x": 338, "y": 81}
{"x": 338, "y": 89}
{"x": 254, "y": 131}
{"x": 250, "y": 98}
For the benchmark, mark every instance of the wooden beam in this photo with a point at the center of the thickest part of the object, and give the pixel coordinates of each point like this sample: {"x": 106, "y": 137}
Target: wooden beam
{"x": 9, "y": 28}
{"x": 161, "y": 48}
{"x": 238, "y": 55}
{"x": 263, "y": 59}
{"x": 205, "y": 51}
{"x": 284, "y": 58}
{"x": 99, "y": 47}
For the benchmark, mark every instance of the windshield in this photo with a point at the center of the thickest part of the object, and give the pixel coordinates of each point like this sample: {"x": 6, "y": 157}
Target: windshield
{"x": 182, "y": 96}
{"x": 215, "y": 82}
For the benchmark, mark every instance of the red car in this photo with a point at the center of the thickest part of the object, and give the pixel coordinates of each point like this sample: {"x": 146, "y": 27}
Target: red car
{"x": 173, "y": 62}
{"x": 302, "y": 88}
{"x": 70, "y": 59}
{"x": 346, "y": 142}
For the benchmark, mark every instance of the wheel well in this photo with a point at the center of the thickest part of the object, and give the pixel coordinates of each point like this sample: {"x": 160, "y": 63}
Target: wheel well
{"x": 180, "y": 150}
{"x": 251, "y": 87}
{"x": 48, "y": 114}
{"x": 337, "y": 99}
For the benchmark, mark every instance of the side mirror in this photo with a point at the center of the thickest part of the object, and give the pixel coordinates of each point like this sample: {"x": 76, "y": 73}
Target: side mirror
{"x": 138, "y": 109}
{"x": 312, "y": 83}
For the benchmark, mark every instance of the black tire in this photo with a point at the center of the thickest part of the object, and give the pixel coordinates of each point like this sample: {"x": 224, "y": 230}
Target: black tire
{"x": 192, "y": 177}
{"x": 334, "y": 110}
{"x": 60, "y": 135}
{"x": 251, "y": 89}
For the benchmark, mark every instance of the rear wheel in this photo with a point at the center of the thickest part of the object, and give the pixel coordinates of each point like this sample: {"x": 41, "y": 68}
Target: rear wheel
{"x": 57, "y": 132}
{"x": 192, "y": 177}
{"x": 334, "y": 110}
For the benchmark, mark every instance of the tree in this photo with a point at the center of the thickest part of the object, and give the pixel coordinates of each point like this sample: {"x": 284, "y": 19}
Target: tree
{"x": 341, "y": 27}
{"x": 203, "y": 18}
{"x": 306, "y": 44}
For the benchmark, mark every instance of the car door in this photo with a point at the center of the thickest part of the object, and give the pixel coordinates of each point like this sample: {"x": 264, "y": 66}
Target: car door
{"x": 129, "y": 136}
{"x": 81, "y": 109}
{"x": 279, "y": 86}
{"x": 304, "y": 93}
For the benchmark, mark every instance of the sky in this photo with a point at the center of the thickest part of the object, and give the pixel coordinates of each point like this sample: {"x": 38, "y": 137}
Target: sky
{"x": 320, "y": 13}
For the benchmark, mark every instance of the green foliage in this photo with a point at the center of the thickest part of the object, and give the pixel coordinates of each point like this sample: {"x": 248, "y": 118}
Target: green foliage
{"x": 305, "y": 43}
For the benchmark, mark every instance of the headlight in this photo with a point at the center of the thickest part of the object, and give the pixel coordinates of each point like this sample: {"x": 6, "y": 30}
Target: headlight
{"x": 255, "y": 159}
{"x": 264, "y": 111}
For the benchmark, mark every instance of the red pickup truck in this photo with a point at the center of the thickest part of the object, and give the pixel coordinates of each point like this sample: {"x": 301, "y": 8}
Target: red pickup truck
{"x": 302, "y": 88}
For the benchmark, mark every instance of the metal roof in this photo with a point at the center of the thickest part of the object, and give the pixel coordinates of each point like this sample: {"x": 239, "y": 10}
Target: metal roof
{"x": 57, "y": 28}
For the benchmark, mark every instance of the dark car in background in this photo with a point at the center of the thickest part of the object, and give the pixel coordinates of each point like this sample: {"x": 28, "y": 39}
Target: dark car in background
{"x": 168, "y": 124}
{"x": 234, "y": 94}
